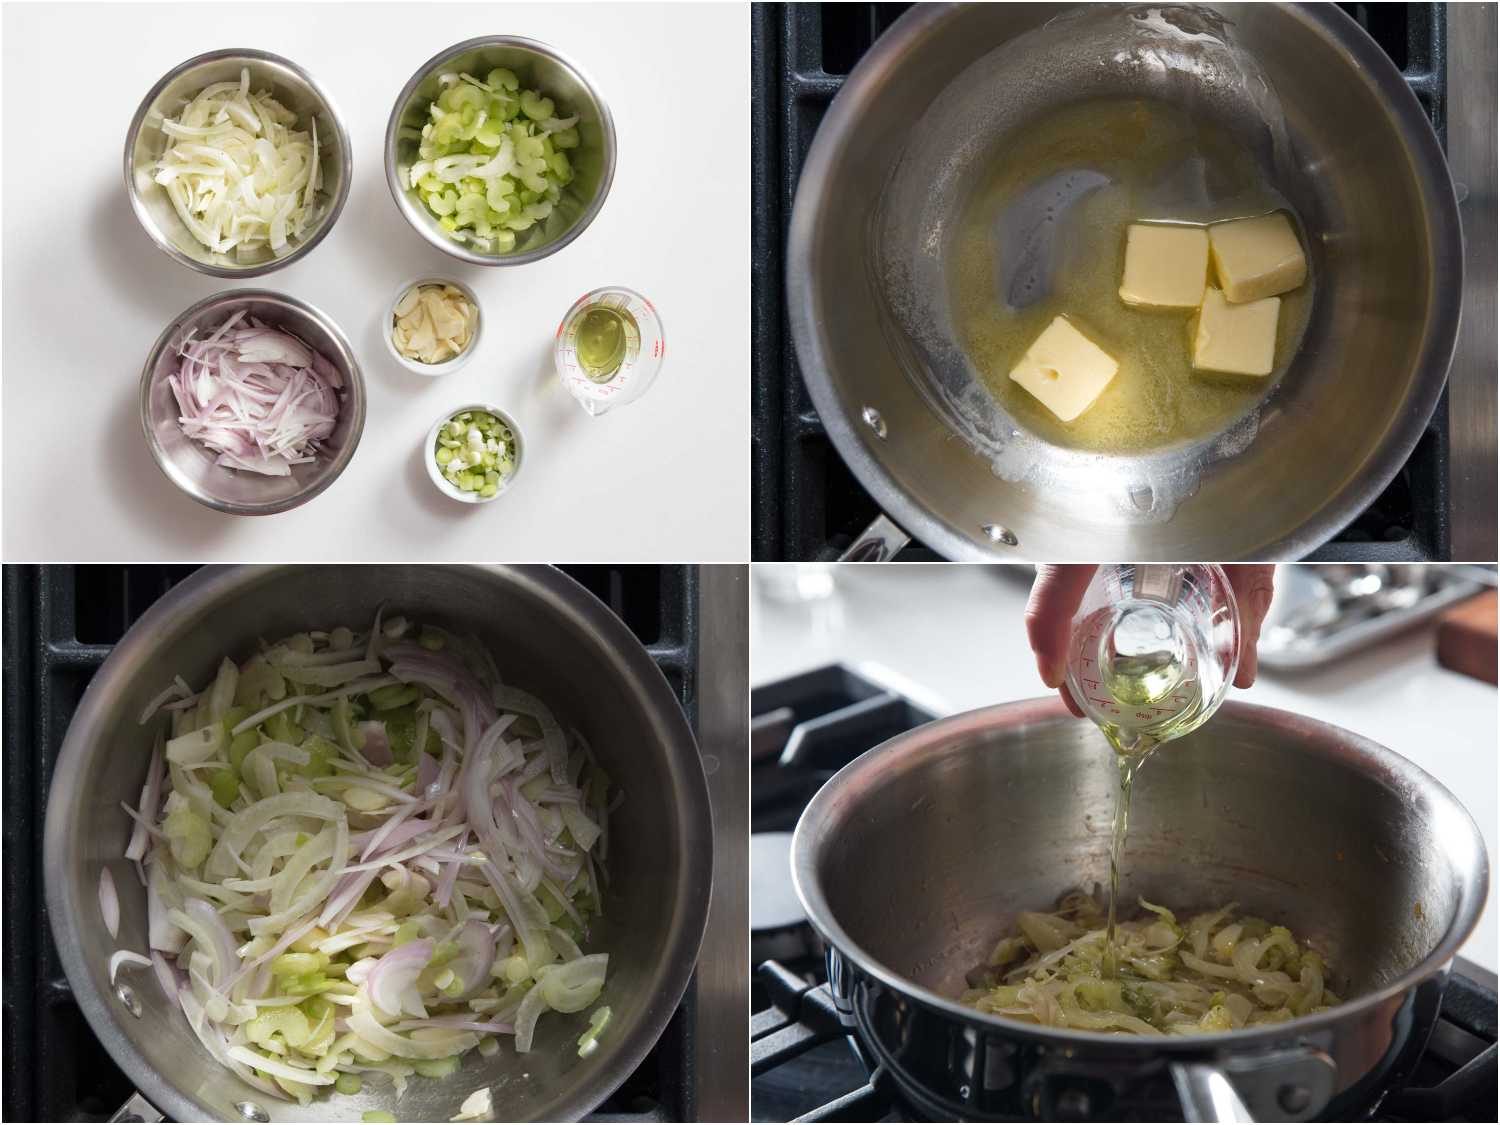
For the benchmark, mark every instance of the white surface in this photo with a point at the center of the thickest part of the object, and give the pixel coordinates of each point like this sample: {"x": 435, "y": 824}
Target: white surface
{"x": 952, "y": 636}
{"x": 86, "y": 294}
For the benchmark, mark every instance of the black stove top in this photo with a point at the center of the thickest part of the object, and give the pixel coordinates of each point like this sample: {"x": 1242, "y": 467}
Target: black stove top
{"x": 804, "y": 1067}
{"x": 60, "y": 624}
{"x": 807, "y": 503}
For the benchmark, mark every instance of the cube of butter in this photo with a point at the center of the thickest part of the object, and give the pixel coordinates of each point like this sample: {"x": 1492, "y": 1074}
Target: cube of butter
{"x": 1238, "y": 339}
{"x": 1064, "y": 370}
{"x": 1255, "y": 258}
{"x": 1166, "y": 266}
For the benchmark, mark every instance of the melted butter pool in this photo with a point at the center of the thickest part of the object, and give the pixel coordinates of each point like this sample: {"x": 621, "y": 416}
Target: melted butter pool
{"x": 1043, "y": 235}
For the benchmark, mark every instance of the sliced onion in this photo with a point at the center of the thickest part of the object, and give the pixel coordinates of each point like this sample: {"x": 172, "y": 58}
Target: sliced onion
{"x": 345, "y": 897}
{"x": 359, "y": 687}
{"x": 240, "y": 175}
{"x": 392, "y": 982}
{"x": 427, "y": 773}
{"x": 458, "y": 1023}
{"x": 584, "y": 831}
{"x": 524, "y": 912}
{"x": 396, "y": 831}
{"x": 476, "y": 953}
{"x": 125, "y": 957}
{"x": 213, "y": 1042}
{"x": 171, "y": 691}
{"x": 269, "y": 1065}
{"x": 262, "y": 400}
{"x": 532, "y": 1006}
{"x": 245, "y": 824}
{"x": 150, "y": 797}
{"x": 575, "y": 985}
{"x": 109, "y": 903}
{"x": 202, "y": 923}
{"x": 376, "y": 748}
{"x": 162, "y": 934}
{"x": 332, "y": 675}
{"x": 275, "y": 865}
{"x": 514, "y": 699}
{"x": 364, "y": 1024}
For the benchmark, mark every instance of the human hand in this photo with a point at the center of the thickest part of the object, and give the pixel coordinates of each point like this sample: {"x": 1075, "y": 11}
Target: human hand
{"x": 1058, "y": 590}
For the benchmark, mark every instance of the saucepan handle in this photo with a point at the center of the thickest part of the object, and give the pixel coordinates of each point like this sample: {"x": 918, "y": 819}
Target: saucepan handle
{"x": 877, "y": 543}
{"x": 1290, "y": 1085}
{"x": 137, "y": 1108}
{"x": 1207, "y": 1094}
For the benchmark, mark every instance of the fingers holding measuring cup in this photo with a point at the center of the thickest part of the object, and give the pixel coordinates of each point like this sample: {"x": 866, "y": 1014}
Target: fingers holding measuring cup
{"x": 1058, "y": 590}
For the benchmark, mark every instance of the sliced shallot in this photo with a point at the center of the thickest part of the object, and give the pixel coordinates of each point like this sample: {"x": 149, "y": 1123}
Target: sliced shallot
{"x": 256, "y": 395}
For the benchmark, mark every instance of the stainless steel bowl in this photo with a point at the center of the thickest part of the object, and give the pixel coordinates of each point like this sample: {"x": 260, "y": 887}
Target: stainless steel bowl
{"x": 886, "y": 369}
{"x": 920, "y": 853}
{"x": 548, "y": 635}
{"x": 190, "y": 466}
{"x": 539, "y": 67}
{"x": 296, "y": 89}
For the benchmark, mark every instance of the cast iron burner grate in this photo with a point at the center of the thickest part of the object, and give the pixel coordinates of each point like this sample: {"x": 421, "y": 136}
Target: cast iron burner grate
{"x": 60, "y": 624}
{"x": 807, "y": 503}
{"x": 803, "y": 1065}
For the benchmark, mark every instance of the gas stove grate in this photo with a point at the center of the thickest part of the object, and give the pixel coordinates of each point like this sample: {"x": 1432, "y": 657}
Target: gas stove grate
{"x": 60, "y": 624}
{"x": 807, "y": 504}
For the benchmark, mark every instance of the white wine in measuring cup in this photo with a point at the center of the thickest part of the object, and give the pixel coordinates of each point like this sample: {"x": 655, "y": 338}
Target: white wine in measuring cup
{"x": 609, "y": 348}
{"x": 1153, "y": 650}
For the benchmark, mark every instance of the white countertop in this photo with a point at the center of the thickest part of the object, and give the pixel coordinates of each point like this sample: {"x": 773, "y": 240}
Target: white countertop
{"x": 86, "y": 293}
{"x": 952, "y": 637}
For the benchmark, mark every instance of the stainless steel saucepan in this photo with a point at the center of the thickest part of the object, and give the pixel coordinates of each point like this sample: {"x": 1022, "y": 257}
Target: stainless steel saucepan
{"x": 913, "y": 859}
{"x": 548, "y": 635}
{"x": 914, "y": 128}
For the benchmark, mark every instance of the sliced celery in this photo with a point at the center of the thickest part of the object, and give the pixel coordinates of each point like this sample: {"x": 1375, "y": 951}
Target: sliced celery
{"x": 436, "y": 1068}
{"x": 396, "y": 695}
{"x": 490, "y": 150}
{"x": 225, "y": 786}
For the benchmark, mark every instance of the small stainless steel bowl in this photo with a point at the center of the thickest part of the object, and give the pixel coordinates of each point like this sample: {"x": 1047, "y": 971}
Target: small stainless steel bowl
{"x": 190, "y": 466}
{"x": 289, "y": 84}
{"x": 539, "y": 67}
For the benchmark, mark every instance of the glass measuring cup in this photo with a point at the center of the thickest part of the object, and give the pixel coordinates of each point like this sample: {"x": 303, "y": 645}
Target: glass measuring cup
{"x": 631, "y": 346}
{"x": 1153, "y": 650}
